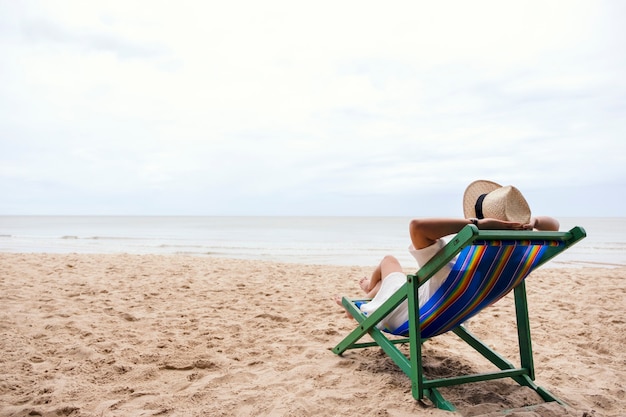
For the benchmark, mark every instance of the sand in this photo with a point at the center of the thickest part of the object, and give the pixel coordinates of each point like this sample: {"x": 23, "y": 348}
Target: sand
{"x": 144, "y": 335}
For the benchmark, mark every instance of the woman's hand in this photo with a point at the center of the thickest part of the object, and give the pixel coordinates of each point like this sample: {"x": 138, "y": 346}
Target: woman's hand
{"x": 495, "y": 224}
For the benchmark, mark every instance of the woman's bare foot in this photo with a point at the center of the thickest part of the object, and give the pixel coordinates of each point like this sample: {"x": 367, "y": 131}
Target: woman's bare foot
{"x": 364, "y": 283}
{"x": 337, "y": 299}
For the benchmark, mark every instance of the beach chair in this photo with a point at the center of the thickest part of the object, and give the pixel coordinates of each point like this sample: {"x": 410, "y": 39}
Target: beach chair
{"x": 489, "y": 264}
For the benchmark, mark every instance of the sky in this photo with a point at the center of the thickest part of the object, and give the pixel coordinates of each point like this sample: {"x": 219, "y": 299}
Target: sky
{"x": 347, "y": 108}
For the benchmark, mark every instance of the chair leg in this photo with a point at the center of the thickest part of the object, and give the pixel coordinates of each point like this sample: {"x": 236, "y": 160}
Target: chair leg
{"x": 415, "y": 338}
{"x": 525, "y": 343}
{"x": 438, "y": 400}
{"x": 523, "y": 330}
{"x": 416, "y": 370}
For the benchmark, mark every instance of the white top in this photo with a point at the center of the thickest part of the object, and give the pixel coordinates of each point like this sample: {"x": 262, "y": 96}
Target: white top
{"x": 392, "y": 282}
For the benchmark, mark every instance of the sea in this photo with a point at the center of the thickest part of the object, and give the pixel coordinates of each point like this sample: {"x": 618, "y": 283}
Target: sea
{"x": 359, "y": 241}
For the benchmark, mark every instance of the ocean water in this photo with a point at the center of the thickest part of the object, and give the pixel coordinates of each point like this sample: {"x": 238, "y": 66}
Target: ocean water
{"x": 359, "y": 241}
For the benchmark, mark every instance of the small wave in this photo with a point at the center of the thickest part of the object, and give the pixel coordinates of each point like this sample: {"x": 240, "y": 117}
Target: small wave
{"x": 581, "y": 264}
{"x": 74, "y": 237}
{"x": 111, "y": 238}
{"x": 188, "y": 253}
{"x": 601, "y": 264}
{"x": 166, "y": 246}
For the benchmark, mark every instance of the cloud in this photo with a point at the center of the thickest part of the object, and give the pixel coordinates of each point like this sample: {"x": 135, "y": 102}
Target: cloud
{"x": 87, "y": 41}
{"x": 285, "y": 108}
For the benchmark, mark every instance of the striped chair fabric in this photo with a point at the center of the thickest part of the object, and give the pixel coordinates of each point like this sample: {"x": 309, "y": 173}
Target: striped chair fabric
{"x": 483, "y": 273}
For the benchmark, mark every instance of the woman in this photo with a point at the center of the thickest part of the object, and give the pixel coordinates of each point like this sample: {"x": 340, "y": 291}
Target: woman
{"x": 487, "y": 205}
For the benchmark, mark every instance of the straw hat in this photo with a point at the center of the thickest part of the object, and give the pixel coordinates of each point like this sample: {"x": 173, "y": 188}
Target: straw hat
{"x": 495, "y": 201}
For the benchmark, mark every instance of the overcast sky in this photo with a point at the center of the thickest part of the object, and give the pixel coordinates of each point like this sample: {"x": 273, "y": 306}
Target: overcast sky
{"x": 310, "y": 108}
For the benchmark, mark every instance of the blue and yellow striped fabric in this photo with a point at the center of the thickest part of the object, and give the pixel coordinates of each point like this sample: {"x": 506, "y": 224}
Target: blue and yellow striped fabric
{"x": 482, "y": 274}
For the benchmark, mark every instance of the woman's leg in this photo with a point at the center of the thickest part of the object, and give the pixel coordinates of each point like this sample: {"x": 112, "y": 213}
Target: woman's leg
{"x": 386, "y": 266}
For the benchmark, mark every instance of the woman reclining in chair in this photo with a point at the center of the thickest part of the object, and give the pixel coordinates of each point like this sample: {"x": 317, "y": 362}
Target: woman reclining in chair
{"x": 487, "y": 205}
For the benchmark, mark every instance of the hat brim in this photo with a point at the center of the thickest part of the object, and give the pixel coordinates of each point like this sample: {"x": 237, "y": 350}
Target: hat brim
{"x": 472, "y": 192}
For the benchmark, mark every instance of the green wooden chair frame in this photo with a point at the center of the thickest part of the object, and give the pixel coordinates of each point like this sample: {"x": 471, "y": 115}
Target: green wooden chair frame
{"x": 412, "y": 365}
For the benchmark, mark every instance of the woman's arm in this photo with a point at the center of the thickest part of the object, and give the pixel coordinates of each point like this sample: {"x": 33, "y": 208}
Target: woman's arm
{"x": 545, "y": 223}
{"x": 424, "y": 232}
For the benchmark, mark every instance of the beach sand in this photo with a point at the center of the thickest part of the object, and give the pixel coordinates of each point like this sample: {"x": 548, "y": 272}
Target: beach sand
{"x": 143, "y": 335}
